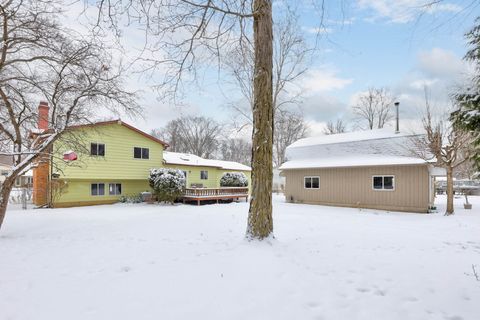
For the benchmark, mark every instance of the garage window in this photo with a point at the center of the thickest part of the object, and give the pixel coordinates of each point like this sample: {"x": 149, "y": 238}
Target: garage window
{"x": 311, "y": 182}
{"x": 383, "y": 183}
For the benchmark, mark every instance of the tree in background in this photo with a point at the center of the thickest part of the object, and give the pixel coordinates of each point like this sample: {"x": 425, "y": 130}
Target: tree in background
{"x": 236, "y": 149}
{"x": 290, "y": 53}
{"x": 334, "y": 128}
{"x": 289, "y": 127}
{"x": 41, "y": 59}
{"x": 374, "y": 108}
{"x": 197, "y": 135}
{"x": 447, "y": 144}
{"x": 467, "y": 114}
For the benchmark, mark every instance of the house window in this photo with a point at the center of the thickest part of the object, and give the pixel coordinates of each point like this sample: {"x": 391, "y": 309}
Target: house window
{"x": 383, "y": 182}
{"x": 115, "y": 189}
{"x": 97, "y": 189}
{"x": 141, "y": 153}
{"x": 5, "y": 173}
{"x": 311, "y": 182}
{"x": 204, "y": 175}
{"x": 97, "y": 149}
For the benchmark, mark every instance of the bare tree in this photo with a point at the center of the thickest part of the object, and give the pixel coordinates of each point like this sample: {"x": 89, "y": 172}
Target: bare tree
{"x": 449, "y": 145}
{"x": 235, "y": 149}
{"x": 184, "y": 34}
{"x": 374, "y": 108}
{"x": 41, "y": 59}
{"x": 290, "y": 52}
{"x": 334, "y": 128}
{"x": 171, "y": 134}
{"x": 196, "y": 135}
{"x": 289, "y": 127}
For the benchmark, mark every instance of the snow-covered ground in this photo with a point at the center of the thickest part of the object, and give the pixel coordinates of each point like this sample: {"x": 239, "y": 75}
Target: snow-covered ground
{"x": 187, "y": 262}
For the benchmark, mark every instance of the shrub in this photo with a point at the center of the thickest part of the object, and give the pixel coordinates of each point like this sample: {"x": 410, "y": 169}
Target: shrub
{"x": 168, "y": 184}
{"x": 234, "y": 179}
{"x": 135, "y": 198}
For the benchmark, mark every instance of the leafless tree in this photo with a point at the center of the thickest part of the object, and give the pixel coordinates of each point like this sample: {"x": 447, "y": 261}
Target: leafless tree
{"x": 374, "y": 108}
{"x": 183, "y": 35}
{"x": 236, "y": 149}
{"x": 449, "y": 145}
{"x": 171, "y": 134}
{"x": 41, "y": 60}
{"x": 289, "y": 127}
{"x": 334, "y": 128}
{"x": 290, "y": 55}
{"x": 196, "y": 135}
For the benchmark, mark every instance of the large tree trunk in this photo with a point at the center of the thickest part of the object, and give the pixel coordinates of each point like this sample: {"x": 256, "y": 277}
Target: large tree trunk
{"x": 260, "y": 224}
{"x": 450, "y": 209}
{"x": 5, "y": 189}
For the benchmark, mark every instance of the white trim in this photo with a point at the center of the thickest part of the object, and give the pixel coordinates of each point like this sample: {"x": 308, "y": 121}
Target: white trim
{"x": 383, "y": 176}
{"x": 311, "y": 182}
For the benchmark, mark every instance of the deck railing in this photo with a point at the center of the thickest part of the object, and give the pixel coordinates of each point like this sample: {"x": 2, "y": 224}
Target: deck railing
{"x": 209, "y": 192}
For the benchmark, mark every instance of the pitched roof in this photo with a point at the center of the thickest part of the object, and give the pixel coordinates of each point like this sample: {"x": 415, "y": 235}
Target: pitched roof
{"x": 375, "y": 134}
{"x": 188, "y": 159}
{"x": 378, "y": 147}
{"x": 122, "y": 123}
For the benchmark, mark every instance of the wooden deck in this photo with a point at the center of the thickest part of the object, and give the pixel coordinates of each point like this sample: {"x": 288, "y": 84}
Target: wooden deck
{"x": 203, "y": 194}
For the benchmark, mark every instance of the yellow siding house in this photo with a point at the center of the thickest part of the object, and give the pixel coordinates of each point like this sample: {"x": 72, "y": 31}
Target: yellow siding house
{"x": 115, "y": 161}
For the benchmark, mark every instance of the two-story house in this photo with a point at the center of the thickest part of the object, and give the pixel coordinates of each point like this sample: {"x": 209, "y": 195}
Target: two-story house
{"x": 115, "y": 160}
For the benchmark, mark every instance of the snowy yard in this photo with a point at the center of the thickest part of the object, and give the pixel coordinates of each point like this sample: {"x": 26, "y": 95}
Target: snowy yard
{"x": 187, "y": 262}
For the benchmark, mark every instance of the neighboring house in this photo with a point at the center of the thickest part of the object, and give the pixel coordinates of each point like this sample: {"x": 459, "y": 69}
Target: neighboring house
{"x": 6, "y": 163}
{"x": 5, "y": 168}
{"x": 369, "y": 169}
{"x": 113, "y": 159}
{"x": 202, "y": 172}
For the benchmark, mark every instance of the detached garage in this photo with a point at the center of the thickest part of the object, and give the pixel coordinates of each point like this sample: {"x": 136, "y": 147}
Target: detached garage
{"x": 371, "y": 169}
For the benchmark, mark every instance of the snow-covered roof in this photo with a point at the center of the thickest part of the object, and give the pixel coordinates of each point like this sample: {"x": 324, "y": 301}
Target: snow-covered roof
{"x": 188, "y": 159}
{"x": 375, "y": 134}
{"x": 351, "y": 161}
{"x": 353, "y": 149}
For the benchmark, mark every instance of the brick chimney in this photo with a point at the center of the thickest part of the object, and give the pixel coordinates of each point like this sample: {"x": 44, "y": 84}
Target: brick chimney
{"x": 41, "y": 171}
{"x": 43, "y": 120}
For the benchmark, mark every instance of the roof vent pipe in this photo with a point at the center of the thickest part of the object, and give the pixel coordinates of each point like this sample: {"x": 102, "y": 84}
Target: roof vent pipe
{"x": 397, "y": 117}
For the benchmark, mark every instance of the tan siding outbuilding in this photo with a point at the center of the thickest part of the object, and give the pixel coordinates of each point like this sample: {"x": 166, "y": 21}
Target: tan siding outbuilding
{"x": 352, "y": 187}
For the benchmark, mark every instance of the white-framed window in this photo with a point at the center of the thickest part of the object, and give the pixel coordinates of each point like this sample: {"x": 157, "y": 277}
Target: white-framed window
{"x": 97, "y": 189}
{"x": 114, "y": 189}
{"x": 5, "y": 173}
{"x": 383, "y": 182}
{"x": 97, "y": 149}
{"x": 204, "y": 175}
{"x": 141, "y": 153}
{"x": 311, "y": 182}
